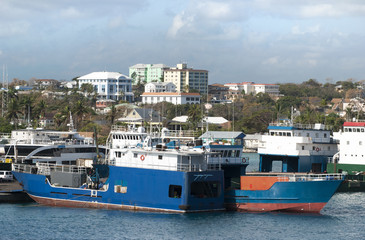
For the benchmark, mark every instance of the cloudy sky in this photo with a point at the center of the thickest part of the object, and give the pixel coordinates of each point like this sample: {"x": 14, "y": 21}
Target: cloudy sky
{"x": 264, "y": 41}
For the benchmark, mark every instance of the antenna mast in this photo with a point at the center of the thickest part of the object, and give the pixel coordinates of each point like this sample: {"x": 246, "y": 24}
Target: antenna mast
{"x": 5, "y": 92}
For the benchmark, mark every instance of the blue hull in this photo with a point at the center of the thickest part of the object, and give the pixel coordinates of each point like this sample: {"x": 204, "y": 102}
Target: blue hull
{"x": 135, "y": 189}
{"x": 306, "y": 196}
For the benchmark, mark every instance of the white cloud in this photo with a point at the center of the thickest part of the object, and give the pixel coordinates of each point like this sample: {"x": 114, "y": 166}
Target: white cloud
{"x": 14, "y": 28}
{"x": 180, "y": 21}
{"x": 70, "y": 12}
{"x": 116, "y": 22}
{"x": 213, "y": 20}
{"x": 311, "y": 29}
{"x": 311, "y": 8}
{"x": 214, "y": 10}
{"x": 271, "y": 61}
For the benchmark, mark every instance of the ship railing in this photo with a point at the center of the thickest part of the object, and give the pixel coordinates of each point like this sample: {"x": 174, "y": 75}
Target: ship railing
{"x": 302, "y": 126}
{"x": 55, "y": 142}
{"x": 181, "y": 167}
{"x": 47, "y": 168}
{"x": 310, "y": 177}
{"x": 180, "y": 133}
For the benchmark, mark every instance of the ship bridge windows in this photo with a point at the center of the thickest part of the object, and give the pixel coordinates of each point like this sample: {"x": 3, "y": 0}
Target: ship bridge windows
{"x": 175, "y": 191}
{"x": 285, "y": 134}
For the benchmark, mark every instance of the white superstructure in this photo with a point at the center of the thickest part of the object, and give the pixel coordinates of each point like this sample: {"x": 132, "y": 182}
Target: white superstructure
{"x": 352, "y": 142}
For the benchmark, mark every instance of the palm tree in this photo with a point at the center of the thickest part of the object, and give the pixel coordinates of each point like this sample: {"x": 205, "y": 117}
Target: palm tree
{"x": 112, "y": 114}
{"x": 59, "y": 118}
{"x": 27, "y": 102}
{"x": 13, "y": 112}
{"x": 79, "y": 110}
{"x": 194, "y": 115}
{"x": 349, "y": 114}
{"x": 41, "y": 108}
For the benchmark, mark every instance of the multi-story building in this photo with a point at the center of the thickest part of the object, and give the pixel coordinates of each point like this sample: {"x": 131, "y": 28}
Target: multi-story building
{"x": 172, "y": 97}
{"x": 247, "y": 87}
{"x": 217, "y": 92}
{"x": 272, "y": 89}
{"x": 184, "y": 77}
{"x": 147, "y": 72}
{"x": 254, "y": 88}
{"x": 160, "y": 87}
{"x": 109, "y": 85}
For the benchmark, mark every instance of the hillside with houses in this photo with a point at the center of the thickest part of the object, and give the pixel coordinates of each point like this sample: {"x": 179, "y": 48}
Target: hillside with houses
{"x": 157, "y": 96}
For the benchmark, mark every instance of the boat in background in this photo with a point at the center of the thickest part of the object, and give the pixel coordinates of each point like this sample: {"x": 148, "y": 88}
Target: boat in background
{"x": 298, "y": 147}
{"x": 139, "y": 177}
{"x": 263, "y": 192}
{"x": 351, "y": 157}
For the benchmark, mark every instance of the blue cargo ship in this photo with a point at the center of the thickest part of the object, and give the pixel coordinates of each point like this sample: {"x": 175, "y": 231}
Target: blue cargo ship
{"x": 138, "y": 177}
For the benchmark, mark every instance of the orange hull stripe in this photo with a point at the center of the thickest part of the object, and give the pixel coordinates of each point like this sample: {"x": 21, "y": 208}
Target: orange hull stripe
{"x": 260, "y": 182}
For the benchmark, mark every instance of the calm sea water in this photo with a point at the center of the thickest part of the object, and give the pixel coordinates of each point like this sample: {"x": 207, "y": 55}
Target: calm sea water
{"x": 342, "y": 218}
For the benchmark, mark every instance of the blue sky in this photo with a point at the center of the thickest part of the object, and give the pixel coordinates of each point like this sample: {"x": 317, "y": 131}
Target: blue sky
{"x": 264, "y": 41}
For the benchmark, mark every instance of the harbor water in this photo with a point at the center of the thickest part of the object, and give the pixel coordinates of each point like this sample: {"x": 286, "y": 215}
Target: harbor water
{"x": 342, "y": 218}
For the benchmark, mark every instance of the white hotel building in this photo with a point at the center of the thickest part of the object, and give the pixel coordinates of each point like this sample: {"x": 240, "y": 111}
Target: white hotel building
{"x": 109, "y": 85}
{"x": 254, "y": 88}
{"x": 172, "y": 97}
{"x": 183, "y": 76}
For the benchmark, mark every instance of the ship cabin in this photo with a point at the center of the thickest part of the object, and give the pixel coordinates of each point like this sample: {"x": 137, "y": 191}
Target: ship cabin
{"x": 225, "y": 149}
{"x": 25, "y": 141}
{"x": 352, "y": 141}
{"x": 296, "y": 148}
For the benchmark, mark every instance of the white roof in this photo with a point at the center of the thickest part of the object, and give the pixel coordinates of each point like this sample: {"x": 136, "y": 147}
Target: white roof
{"x": 103, "y": 75}
{"x": 211, "y": 120}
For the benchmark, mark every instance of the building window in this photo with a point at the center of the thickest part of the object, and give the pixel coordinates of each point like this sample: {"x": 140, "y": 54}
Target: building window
{"x": 325, "y": 135}
{"x": 360, "y": 143}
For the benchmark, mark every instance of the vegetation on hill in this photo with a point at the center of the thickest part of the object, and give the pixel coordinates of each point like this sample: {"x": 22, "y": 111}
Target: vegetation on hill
{"x": 248, "y": 113}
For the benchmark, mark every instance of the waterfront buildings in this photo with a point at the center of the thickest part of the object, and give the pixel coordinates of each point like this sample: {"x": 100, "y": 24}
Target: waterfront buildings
{"x": 160, "y": 87}
{"x": 184, "y": 77}
{"x": 172, "y": 97}
{"x": 147, "y": 72}
{"x": 217, "y": 92}
{"x": 109, "y": 85}
{"x": 253, "y": 88}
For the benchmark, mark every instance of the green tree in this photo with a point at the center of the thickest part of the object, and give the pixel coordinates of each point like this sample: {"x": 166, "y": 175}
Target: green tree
{"x": 13, "y": 112}
{"x": 112, "y": 114}
{"x": 80, "y": 110}
{"x": 27, "y": 103}
{"x": 194, "y": 116}
{"x": 41, "y": 108}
